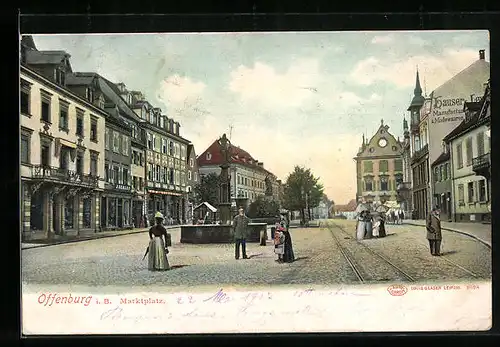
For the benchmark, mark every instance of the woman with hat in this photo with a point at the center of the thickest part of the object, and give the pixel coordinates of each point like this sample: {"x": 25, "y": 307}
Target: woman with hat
{"x": 157, "y": 260}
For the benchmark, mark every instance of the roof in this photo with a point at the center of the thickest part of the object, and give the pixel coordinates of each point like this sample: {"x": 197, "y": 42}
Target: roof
{"x": 472, "y": 106}
{"x": 443, "y": 157}
{"x": 209, "y": 206}
{"x": 466, "y": 78}
{"x": 45, "y": 57}
{"x": 75, "y": 79}
{"x": 238, "y": 156}
{"x": 350, "y": 207}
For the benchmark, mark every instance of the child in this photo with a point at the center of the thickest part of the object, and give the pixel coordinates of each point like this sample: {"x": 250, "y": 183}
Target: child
{"x": 279, "y": 242}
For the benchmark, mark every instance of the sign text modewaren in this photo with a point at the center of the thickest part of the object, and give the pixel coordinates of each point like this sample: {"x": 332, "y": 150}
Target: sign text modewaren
{"x": 450, "y": 109}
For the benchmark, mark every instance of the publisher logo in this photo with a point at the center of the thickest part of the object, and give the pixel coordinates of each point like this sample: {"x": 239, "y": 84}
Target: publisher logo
{"x": 397, "y": 290}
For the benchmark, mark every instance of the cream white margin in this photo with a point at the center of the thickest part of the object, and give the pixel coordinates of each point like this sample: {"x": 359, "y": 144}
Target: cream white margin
{"x": 343, "y": 309}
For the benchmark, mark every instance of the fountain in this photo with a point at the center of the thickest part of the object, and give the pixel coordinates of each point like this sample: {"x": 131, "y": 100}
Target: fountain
{"x": 220, "y": 233}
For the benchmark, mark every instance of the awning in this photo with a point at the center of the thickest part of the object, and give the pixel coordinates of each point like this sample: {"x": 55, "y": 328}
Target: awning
{"x": 67, "y": 143}
{"x": 164, "y": 192}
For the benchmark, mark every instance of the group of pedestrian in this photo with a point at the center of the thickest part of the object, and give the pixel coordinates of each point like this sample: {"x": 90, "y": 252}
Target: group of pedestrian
{"x": 283, "y": 246}
{"x": 370, "y": 221}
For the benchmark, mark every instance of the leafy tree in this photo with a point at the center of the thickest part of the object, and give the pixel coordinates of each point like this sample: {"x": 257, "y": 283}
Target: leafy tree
{"x": 263, "y": 208}
{"x": 207, "y": 189}
{"x": 302, "y": 192}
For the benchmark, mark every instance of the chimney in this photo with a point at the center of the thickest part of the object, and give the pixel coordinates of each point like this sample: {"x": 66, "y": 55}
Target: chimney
{"x": 481, "y": 54}
{"x": 260, "y": 164}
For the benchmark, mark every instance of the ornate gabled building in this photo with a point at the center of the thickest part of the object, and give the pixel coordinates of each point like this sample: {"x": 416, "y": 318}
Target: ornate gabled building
{"x": 379, "y": 166}
{"x": 62, "y": 149}
{"x": 249, "y": 178}
{"x": 192, "y": 179}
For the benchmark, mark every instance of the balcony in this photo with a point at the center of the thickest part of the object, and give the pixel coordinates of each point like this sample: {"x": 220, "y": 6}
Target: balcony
{"x": 64, "y": 176}
{"x": 481, "y": 165}
{"x": 420, "y": 153}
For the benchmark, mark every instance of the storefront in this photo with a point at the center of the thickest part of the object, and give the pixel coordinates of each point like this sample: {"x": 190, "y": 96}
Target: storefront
{"x": 116, "y": 211}
{"x": 170, "y": 204}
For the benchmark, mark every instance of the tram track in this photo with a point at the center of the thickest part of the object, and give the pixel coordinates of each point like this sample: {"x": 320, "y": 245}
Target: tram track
{"x": 362, "y": 273}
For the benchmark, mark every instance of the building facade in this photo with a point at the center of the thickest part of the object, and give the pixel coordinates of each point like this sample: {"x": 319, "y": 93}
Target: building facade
{"x": 62, "y": 149}
{"x": 192, "y": 179}
{"x": 442, "y": 187}
{"x": 379, "y": 166}
{"x": 470, "y": 148}
{"x": 166, "y": 156}
{"x": 404, "y": 187}
{"x": 249, "y": 178}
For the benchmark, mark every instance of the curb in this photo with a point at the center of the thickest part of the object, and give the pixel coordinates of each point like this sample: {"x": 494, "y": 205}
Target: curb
{"x": 86, "y": 239}
{"x": 458, "y": 232}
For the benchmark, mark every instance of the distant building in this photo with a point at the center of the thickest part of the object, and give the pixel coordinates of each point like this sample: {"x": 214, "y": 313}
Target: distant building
{"x": 348, "y": 211}
{"x": 192, "y": 179}
{"x": 379, "y": 166}
{"x": 248, "y": 175}
{"x": 442, "y": 183}
{"x": 404, "y": 187}
{"x": 470, "y": 147}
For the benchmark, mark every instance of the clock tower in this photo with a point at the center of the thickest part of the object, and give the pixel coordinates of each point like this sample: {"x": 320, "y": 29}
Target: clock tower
{"x": 416, "y": 104}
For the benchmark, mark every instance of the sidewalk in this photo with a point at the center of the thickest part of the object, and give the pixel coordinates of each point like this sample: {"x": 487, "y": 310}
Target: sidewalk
{"x": 69, "y": 239}
{"x": 478, "y": 231}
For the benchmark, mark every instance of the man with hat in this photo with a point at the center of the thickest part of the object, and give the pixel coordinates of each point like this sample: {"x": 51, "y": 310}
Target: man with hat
{"x": 434, "y": 235}
{"x": 240, "y": 232}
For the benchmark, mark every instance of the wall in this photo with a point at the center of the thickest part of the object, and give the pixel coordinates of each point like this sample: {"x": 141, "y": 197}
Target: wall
{"x": 465, "y": 175}
{"x": 36, "y": 125}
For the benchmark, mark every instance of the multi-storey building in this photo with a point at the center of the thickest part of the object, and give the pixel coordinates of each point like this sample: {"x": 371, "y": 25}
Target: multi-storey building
{"x": 116, "y": 200}
{"x": 439, "y": 115}
{"x": 249, "y": 178}
{"x": 166, "y": 153}
{"x": 62, "y": 149}
{"x": 379, "y": 166}
{"x": 192, "y": 179}
{"x": 404, "y": 189}
{"x": 442, "y": 187}
{"x": 470, "y": 148}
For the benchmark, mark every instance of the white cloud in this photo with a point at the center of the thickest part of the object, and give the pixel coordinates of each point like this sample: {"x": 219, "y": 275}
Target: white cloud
{"x": 415, "y": 40}
{"x": 176, "y": 89}
{"x": 435, "y": 69}
{"x": 261, "y": 83}
{"x": 382, "y": 39}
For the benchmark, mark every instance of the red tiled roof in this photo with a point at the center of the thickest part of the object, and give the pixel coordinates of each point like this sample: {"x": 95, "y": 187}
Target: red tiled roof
{"x": 238, "y": 156}
{"x": 350, "y": 207}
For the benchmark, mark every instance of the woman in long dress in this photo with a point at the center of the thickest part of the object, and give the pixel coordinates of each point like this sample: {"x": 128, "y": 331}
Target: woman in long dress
{"x": 157, "y": 260}
{"x": 288, "y": 255}
{"x": 279, "y": 242}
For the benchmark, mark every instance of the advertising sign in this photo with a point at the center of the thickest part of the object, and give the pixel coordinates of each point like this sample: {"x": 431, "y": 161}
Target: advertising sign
{"x": 449, "y": 109}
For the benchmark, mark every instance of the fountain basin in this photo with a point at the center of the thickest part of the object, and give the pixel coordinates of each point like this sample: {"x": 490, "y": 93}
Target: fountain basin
{"x": 208, "y": 233}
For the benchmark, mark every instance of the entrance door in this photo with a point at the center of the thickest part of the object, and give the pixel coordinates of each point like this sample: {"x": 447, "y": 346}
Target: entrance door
{"x": 36, "y": 211}
{"x": 104, "y": 212}
{"x": 120, "y": 213}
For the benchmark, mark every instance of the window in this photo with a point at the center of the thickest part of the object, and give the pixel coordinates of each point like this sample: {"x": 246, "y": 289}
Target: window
{"x": 141, "y": 159}
{"x": 141, "y": 183}
{"x": 369, "y": 185}
{"x": 171, "y": 176}
{"x": 189, "y": 175}
{"x": 460, "y": 160}
{"x": 63, "y": 158}
{"x": 116, "y": 142}
{"x": 107, "y": 176}
{"x": 46, "y": 102}
{"x": 384, "y": 184}
{"x": 448, "y": 171}
{"x": 183, "y": 152}
{"x": 106, "y": 138}
{"x": 87, "y": 212}
{"x": 63, "y": 115}
{"x": 116, "y": 174}
{"x": 164, "y": 146}
{"x": 470, "y": 192}
{"x": 79, "y": 124}
{"x": 165, "y": 175}
{"x": 45, "y": 153}
{"x": 483, "y": 197}
{"x": 383, "y": 166}
{"x": 195, "y": 176}
{"x": 60, "y": 76}
{"x": 134, "y": 182}
{"x": 25, "y": 97}
{"x": 436, "y": 169}
{"x": 155, "y": 144}
{"x": 368, "y": 166}
{"x": 480, "y": 144}
{"x": 191, "y": 163}
{"x": 93, "y": 130}
{"x": 125, "y": 145}
{"x": 157, "y": 173}
{"x": 25, "y": 147}
{"x": 89, "y": 94}
{"x": 461, "y": 197}
{"x": 150, "y": 171}
{"x": 468, "y": 151}
{"x": 150, "y": 141}
{"x": 171, "y": 149}
{"x": 125, "y": 179}
{"x": 93, "y": 164}
{"x": 398, "y": 165}
{"x": 79, "y": 163}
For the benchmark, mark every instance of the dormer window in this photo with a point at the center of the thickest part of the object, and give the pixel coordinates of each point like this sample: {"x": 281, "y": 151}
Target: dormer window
{"x": 209, "y": 156}
{"x": 60, "y": 77}
{"x": 101, "y": 102}
{"x": 89, "y": 94}
{"x": 130, "y": 99}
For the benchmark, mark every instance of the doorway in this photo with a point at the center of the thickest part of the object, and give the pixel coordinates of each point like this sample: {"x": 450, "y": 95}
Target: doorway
{"x": 36, "y": 211}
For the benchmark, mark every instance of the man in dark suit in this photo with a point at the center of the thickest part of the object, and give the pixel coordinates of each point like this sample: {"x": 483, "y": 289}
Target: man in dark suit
{"x": 240, "y": 232}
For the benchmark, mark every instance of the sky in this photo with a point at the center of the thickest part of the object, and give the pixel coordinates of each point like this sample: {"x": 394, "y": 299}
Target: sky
{"x": 287, "y": 98}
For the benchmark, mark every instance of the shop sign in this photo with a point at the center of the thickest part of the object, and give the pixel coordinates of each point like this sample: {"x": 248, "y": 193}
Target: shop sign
{"x": 449, "y": 109}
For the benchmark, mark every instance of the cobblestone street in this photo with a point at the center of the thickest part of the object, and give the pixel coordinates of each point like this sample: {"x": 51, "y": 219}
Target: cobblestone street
{"x": 117, "y": 261}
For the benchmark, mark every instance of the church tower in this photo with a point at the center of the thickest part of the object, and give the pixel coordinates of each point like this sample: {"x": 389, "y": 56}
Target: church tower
{"x": 416, "y": 103}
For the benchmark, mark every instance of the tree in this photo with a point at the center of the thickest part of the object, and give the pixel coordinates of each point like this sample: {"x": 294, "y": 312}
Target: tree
{"x": 263, "y": 208}
{"x": 207, "y": 189}
{"x": 302, "y": 192}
